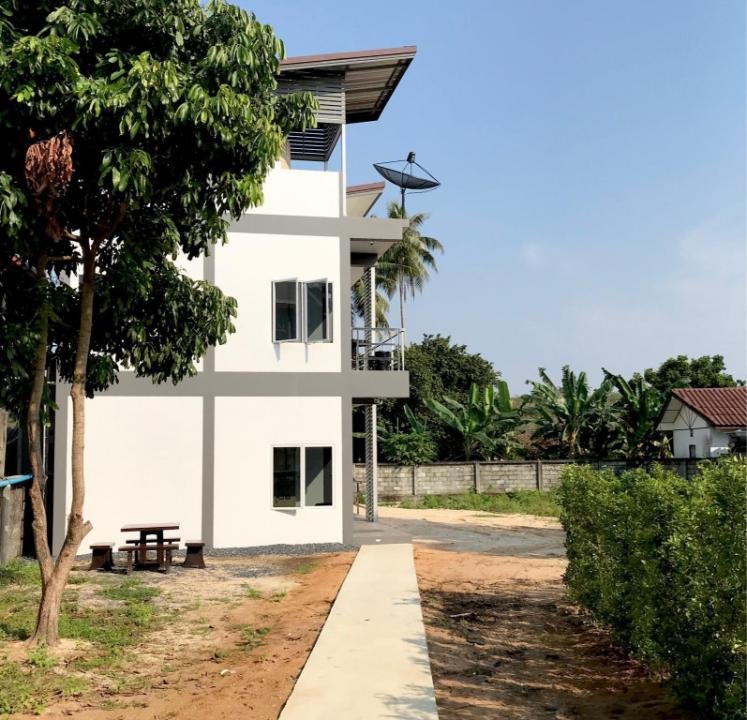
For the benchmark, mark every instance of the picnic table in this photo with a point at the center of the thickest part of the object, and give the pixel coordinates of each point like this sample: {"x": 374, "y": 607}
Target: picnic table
{"x": 151, "y": 538}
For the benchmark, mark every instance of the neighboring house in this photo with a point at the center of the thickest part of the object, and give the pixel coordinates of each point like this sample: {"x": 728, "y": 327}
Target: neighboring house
{"x": 256, "y": 449}
{"x": 706, "y": 422}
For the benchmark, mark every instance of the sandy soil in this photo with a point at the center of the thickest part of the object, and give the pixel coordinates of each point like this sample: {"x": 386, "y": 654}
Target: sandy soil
{"x": 503, "y": 639}
{"x": 197, "y": 667}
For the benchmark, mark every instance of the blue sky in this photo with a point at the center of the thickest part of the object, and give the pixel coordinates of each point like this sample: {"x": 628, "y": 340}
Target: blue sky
{"x": 592, "y": 156}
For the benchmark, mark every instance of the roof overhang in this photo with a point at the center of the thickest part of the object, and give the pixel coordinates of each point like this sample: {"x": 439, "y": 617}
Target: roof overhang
{"x": 351, "y": 87}
{"x": 361, "y": 198}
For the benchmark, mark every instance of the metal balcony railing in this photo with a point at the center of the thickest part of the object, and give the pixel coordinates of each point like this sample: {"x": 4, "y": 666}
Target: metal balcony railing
{"x": 378, "y": 348}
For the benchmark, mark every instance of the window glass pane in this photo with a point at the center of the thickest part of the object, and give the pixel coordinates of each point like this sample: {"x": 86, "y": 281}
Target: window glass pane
{"x": 286, "y": 480}
{"x": 316, "y": 311}
{"x": 318, "y": 476}
{"x": 286, "y": 310}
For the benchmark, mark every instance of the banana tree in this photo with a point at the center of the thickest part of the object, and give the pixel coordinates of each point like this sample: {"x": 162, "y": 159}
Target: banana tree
{"x": 568, "y": 414}
{"x": 637, "y": 410}
{"x": 484, "y": 423}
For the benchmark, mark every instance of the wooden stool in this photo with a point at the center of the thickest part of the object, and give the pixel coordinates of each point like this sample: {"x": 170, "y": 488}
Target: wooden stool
{"x": 194, "y": 557}
{"x": 101, "y": 556}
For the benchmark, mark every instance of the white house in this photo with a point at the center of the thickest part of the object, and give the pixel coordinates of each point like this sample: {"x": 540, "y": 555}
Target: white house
{"x": 257, "y": 448}
{"x": 706, "y": 422}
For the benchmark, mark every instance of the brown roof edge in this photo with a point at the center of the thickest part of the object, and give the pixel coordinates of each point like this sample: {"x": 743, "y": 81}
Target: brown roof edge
{"x": 722, "y": 407}
{"x": 366, "y": 187}
{"x": 349, "y": 56}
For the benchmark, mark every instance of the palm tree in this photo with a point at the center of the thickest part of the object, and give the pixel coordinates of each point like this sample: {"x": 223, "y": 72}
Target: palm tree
{"x": 359, "y": 300}
{"x": 406, "y": 266}
{"x": 568, "y": 414}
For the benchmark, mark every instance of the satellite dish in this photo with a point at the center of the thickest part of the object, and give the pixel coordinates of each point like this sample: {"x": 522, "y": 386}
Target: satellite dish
{"x": 404, "y": 175}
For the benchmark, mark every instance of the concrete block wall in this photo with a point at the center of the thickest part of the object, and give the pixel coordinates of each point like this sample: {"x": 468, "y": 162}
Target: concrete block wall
{"x": 456, "y": 478}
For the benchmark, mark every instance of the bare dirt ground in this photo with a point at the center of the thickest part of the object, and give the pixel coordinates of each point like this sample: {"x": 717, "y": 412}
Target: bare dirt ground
{"x": 504, "y": 640}
{"x": 236, "y": 649}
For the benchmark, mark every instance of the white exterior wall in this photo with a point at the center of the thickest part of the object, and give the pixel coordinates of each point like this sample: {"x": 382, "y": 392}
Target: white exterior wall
{"x": 144, "y": 452}
{"x": 143, "y": 464}
{"x": 245, "y": 269}
{"x": 246, "y": 429}
{"x": 301, "y": 192}
{"x": 704, "y": 437}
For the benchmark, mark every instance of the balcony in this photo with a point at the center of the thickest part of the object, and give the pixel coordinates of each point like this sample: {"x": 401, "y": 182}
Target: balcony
{"x": 378, "y": 349}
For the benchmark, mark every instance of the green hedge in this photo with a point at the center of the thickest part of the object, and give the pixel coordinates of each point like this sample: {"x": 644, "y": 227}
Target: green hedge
{"x": 662, "y": 562}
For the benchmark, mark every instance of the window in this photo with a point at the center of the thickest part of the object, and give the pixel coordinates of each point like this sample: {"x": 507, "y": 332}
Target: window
{"x": 693, "y": 451}
{"x": 318, "y": 476}
{"x": 318, "y": 311}
{"x": 286, "y": 480}
{"x": 301, "y": 311}
{"x": 302, "y": 484}
{"x": 285, "y": 303}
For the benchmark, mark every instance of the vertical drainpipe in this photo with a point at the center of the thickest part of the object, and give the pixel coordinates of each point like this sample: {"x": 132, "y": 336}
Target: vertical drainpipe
{"x": 372, "y": 489}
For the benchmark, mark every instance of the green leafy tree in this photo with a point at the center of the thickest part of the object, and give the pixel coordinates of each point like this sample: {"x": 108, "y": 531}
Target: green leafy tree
{"x": 637, "y": 410}
{"x": 484, "y": 422}
{"x": 567, "y": 416}
{"x": 438, "y": 367}
{"x": 406, "y": 266}
{"x": 683, "y": 372}
{"x": 130, "y": 132}
{"x": 413, "y": 446}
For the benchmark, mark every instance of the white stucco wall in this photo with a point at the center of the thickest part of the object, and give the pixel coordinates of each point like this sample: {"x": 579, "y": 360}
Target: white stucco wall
{"x": 246, "y": 429}
{"x": 245, "y": 269}
{"x": 143, "y": 464}
{"x": 705, "y": 438}
{"x": 301, "y": 192}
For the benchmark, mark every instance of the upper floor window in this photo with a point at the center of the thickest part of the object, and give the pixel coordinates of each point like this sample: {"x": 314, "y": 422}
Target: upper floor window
{"x": 286, "y": 307}
{"x": 302, "y": 311}
{"x": 318, "y": 311}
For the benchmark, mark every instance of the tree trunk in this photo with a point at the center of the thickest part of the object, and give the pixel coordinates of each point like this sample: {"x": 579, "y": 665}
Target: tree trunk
{"x": 35, "y": 433}
{"x": 47, "y": 622}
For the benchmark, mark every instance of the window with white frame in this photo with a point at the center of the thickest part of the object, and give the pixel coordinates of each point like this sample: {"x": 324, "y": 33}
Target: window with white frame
{"x": 286, "y": 307}
{"x": 317, "y": 311}
{"x": 302, "y": 476}
{"x": 302, "y": 311}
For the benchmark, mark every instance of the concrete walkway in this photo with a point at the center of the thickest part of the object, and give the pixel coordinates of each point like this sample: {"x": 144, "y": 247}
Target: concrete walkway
{"x": 371, "y": 658}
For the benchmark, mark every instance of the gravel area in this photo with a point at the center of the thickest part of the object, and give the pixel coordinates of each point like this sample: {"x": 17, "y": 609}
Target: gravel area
{"x": 306, "y": 549}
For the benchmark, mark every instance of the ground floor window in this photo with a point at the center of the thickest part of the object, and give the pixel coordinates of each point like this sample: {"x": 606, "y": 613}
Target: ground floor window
{"x": 302, "y": 476}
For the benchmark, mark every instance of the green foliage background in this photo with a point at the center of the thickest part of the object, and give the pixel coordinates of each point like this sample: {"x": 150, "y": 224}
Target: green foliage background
{"x": 662, "y": 562}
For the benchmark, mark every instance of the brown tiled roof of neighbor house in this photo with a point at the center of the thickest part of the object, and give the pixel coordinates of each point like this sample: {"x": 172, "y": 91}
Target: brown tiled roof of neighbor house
{"x": 722, "y": 407}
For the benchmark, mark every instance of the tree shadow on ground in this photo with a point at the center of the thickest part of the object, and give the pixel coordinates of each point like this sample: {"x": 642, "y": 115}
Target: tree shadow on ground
{"x": 524, "y": 652}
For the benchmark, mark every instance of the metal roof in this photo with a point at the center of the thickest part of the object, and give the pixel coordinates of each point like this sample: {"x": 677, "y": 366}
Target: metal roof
{"x": 361, "y": 198}
{"x": 721, "y": 407}
{"x": 351, "y": 87}
{"x": 369, "y": 76}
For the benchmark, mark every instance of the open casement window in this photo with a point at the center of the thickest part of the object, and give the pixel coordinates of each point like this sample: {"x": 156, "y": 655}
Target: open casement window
{"x": 301, "y": 476}
{"x": 286, "y": 307}
{"x": 317, "y": 296}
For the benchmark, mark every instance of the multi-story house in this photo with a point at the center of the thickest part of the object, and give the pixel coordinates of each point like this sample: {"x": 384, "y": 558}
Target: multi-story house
{"x": 256, "y": 449}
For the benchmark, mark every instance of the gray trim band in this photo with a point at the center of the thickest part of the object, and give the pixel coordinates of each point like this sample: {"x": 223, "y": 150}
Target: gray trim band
{"x": 355, "y": 228}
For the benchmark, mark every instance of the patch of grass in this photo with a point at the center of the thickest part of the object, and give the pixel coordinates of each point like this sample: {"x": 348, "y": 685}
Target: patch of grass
{"x": 131, "y": 590}
{"x": 40, "y": 658}
{"x": 305, "y": 567}
{"x": 252, "y": 637}
{"x": 252, "y": 592}
{"x": 278, "y": 595}
{"x": 73, "y": 685}
{"x": 20, "y": 571}
{"x": 526, "y": 502}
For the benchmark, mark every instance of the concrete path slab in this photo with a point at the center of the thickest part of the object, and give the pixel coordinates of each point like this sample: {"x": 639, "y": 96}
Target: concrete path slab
{"x": 371, "y": 659}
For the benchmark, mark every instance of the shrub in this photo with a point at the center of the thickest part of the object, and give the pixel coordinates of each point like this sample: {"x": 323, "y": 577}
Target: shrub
{"x": 408, "y": 448}
{"x": 661, "y": 561}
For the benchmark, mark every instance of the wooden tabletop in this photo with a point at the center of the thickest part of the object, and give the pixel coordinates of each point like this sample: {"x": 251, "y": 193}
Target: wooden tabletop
{"x": 140, "y": 527}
